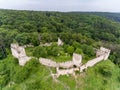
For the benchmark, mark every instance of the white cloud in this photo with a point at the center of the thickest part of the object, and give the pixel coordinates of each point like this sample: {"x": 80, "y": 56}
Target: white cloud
{"x": 62, "y": 5}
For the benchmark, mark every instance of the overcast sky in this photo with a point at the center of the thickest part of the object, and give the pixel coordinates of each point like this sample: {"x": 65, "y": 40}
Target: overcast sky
{"x": 62, "y": 5}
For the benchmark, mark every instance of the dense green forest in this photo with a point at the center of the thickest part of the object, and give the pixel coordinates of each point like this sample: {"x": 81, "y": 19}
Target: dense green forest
{"x": 80, "y": 32}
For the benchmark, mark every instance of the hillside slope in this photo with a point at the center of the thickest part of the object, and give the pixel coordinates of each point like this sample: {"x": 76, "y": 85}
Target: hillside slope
{"x": 81, "y": 33}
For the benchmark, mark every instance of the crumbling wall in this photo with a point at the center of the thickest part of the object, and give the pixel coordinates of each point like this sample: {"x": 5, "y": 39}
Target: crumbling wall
{"x": 60, "y": 43}
{"x": 69, "y": 64}
{"x": 51, "y": 63}
{"x": 103, "y": 52}
{"x": 48, "y": 62}
{"x": 91, "y": 63}
{"x": 19, "y": 53}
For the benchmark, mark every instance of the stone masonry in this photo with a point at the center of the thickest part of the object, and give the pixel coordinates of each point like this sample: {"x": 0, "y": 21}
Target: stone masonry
{"x": 69, "y": 64}
{"x": 19, "y": 53}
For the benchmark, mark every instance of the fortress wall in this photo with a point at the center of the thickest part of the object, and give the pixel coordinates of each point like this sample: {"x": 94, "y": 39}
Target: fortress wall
{"x": 48, "y": 62}
{"x": 14, "y": 51}
{"x": 107, "y": 55}
{"x": 51, "y": 63}
{"x": 103, "y": 51}
{"x": 77, "y": 59}
{"x": 94, "y": 61}
{"x": 104, "y": 56}
{"x": 67, "y": 64}
{"x": 19, "y": 53}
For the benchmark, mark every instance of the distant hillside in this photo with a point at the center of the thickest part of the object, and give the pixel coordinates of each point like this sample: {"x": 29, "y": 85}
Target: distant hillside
{"x": 112, "y": 16}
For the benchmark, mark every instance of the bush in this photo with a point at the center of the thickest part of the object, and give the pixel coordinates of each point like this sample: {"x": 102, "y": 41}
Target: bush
{"x": 70, "y": 49}
{"x": 118, "y": 78}
{"x": 106, "y": 71}
{"x": 40, "y": 52}
{"x": 79, "y": 51}
{"x": 88, "y": 50}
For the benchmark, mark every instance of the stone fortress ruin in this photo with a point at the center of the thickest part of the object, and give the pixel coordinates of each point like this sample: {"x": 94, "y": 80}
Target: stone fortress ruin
{"x": 75, "y": 64}
{"x": 62, "y": 68}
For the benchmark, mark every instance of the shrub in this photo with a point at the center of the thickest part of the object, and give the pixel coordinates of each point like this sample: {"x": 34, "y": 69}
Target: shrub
{"x": 106, "y": 71}
{"x": 40, "y": 52}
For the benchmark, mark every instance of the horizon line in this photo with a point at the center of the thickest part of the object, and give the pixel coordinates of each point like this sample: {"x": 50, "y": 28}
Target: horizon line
{"x": 59, "y": 10}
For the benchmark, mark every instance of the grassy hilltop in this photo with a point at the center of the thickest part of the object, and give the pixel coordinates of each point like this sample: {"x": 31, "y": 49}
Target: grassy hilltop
{"x": 81, "y": 33}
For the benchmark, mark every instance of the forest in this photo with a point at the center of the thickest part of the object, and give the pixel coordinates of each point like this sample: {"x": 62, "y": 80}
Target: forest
{"x": 81, "y": 32}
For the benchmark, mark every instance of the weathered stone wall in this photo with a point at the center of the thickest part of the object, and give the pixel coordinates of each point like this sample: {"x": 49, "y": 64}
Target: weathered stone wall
{"x": 48, "y": 62}
{"x": 19, "y": 53}
{"x": 103, "y": 52}
{"x": 77, "y": 59}
{"x": 51, "y": 63}
{"x": 91, "y": 63}
{"x": 69, "y": 64}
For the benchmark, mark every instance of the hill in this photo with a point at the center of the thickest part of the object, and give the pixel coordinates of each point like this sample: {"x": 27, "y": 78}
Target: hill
{"x": 109, "y": 15}
{"x": 80, "y": 32}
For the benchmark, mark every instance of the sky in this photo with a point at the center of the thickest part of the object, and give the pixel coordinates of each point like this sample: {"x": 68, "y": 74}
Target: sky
{"x": 62, "y": 5}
